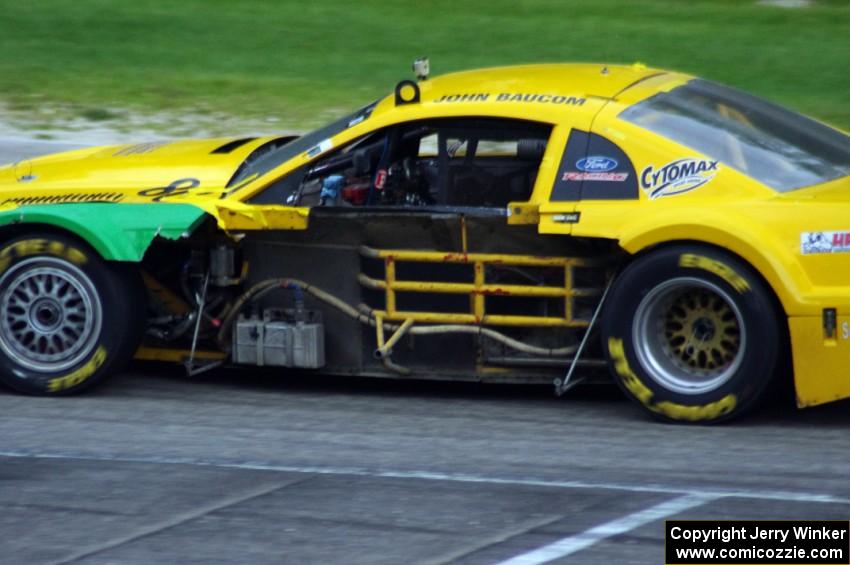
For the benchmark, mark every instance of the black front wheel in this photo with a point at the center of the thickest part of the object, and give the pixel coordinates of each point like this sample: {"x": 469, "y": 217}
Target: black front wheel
{"x": 67, "y": 318}
{"x": 691, "y": 334}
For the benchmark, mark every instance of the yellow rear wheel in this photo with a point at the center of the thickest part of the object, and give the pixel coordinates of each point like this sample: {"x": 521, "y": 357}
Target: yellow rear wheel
{"x": 691, "y": 334}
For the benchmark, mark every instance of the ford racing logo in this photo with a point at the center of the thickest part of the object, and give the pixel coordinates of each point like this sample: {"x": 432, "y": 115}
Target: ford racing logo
{"x": 677, "y": 177}
{"x": 596, "y": 164}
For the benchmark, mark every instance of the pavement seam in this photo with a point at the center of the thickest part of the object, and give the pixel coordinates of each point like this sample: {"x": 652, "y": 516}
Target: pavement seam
{"x": 177, "y": 520}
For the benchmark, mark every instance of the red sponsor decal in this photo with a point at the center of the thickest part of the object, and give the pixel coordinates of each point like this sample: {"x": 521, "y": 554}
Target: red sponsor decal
{"x": 380, "y": 179}
{"x": 606, "y": 177}
{"x": 841, "y": 239}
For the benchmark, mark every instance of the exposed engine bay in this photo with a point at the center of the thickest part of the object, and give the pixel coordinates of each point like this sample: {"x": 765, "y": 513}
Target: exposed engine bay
{"x": 369, "y": 294}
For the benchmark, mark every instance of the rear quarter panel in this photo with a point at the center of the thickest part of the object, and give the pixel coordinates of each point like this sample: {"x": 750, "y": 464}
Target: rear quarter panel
{"x": 734, "y": 212}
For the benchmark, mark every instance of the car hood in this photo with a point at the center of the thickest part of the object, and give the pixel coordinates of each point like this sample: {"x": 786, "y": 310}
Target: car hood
{"x": 152, "y": 170}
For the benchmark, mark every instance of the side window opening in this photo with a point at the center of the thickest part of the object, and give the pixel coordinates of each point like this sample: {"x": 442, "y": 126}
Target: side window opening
{"x": 468, "y": 162}
{"x": 491, "y": 167}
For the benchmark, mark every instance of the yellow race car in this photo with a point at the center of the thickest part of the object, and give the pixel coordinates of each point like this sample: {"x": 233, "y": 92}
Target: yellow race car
{"x": 536, "y": 223}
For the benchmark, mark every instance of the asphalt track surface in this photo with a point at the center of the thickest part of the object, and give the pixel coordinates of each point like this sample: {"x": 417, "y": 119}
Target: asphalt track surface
{"x": 244, "y": 466}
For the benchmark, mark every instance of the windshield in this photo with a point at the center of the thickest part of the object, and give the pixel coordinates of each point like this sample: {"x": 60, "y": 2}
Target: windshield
{"x": 779, "y": 148}
{"x": 278, "y": 151}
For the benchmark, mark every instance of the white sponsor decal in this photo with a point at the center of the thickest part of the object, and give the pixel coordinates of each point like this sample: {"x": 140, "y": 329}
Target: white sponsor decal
{"x": 320, "y": 148}
{"x": 812, "y": 242}
{"x": 682, "y": 175}
{"x": 571, "y": 218}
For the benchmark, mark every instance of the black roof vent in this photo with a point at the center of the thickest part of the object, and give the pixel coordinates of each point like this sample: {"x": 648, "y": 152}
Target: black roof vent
{"x": 231, "y": 145}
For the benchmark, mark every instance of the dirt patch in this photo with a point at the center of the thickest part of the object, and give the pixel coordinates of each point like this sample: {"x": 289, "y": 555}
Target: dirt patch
{"x": 98, "y": 126}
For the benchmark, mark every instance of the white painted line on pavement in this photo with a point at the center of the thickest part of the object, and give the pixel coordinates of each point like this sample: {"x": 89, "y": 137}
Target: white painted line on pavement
{"x": 573, "y": 544}
{"x": 785, "y": 496}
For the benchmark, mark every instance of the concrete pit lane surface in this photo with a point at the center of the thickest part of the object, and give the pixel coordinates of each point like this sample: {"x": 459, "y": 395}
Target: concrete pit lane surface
{"x": 237, "y": 466}
{"x": 241, "y": 466}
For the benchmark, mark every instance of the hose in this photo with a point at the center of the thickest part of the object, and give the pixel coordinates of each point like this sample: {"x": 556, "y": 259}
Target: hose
{"x": 496, "y": 336}
{"x": 367, "y": 317}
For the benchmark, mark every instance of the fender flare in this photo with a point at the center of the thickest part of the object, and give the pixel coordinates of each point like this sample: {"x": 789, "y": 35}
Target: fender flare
{"x": 782, "y": 273}
{"x": 118, "y": 232}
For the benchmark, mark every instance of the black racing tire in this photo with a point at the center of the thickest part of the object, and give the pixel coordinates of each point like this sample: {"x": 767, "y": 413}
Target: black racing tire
{"x": 68, "y": 319}
{"x": 691, "y": 333}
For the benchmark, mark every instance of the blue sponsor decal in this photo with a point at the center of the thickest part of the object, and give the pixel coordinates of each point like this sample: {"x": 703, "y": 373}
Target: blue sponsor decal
{"x": 596, "y": 164}
{"x": 682, "y": 175}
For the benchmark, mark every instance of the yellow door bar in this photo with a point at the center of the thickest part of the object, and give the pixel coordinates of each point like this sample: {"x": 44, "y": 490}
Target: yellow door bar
{"x": 478, "y": 289}
{"x": 472, "y": 288}
{"x": 453, "y": 257}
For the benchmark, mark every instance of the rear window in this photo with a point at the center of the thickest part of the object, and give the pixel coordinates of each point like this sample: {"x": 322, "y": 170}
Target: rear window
{"x": 779, "y": 148}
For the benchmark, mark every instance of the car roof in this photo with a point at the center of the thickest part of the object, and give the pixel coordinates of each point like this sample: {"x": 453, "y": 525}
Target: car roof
{"x": 578, "y": 79}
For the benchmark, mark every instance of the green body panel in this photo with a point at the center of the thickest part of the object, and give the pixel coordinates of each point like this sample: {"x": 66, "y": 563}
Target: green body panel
{"x": 118, "y": 232}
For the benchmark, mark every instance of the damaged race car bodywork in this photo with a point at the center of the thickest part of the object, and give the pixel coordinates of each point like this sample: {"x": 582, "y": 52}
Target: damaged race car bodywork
{"x": 524, "y": 224}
